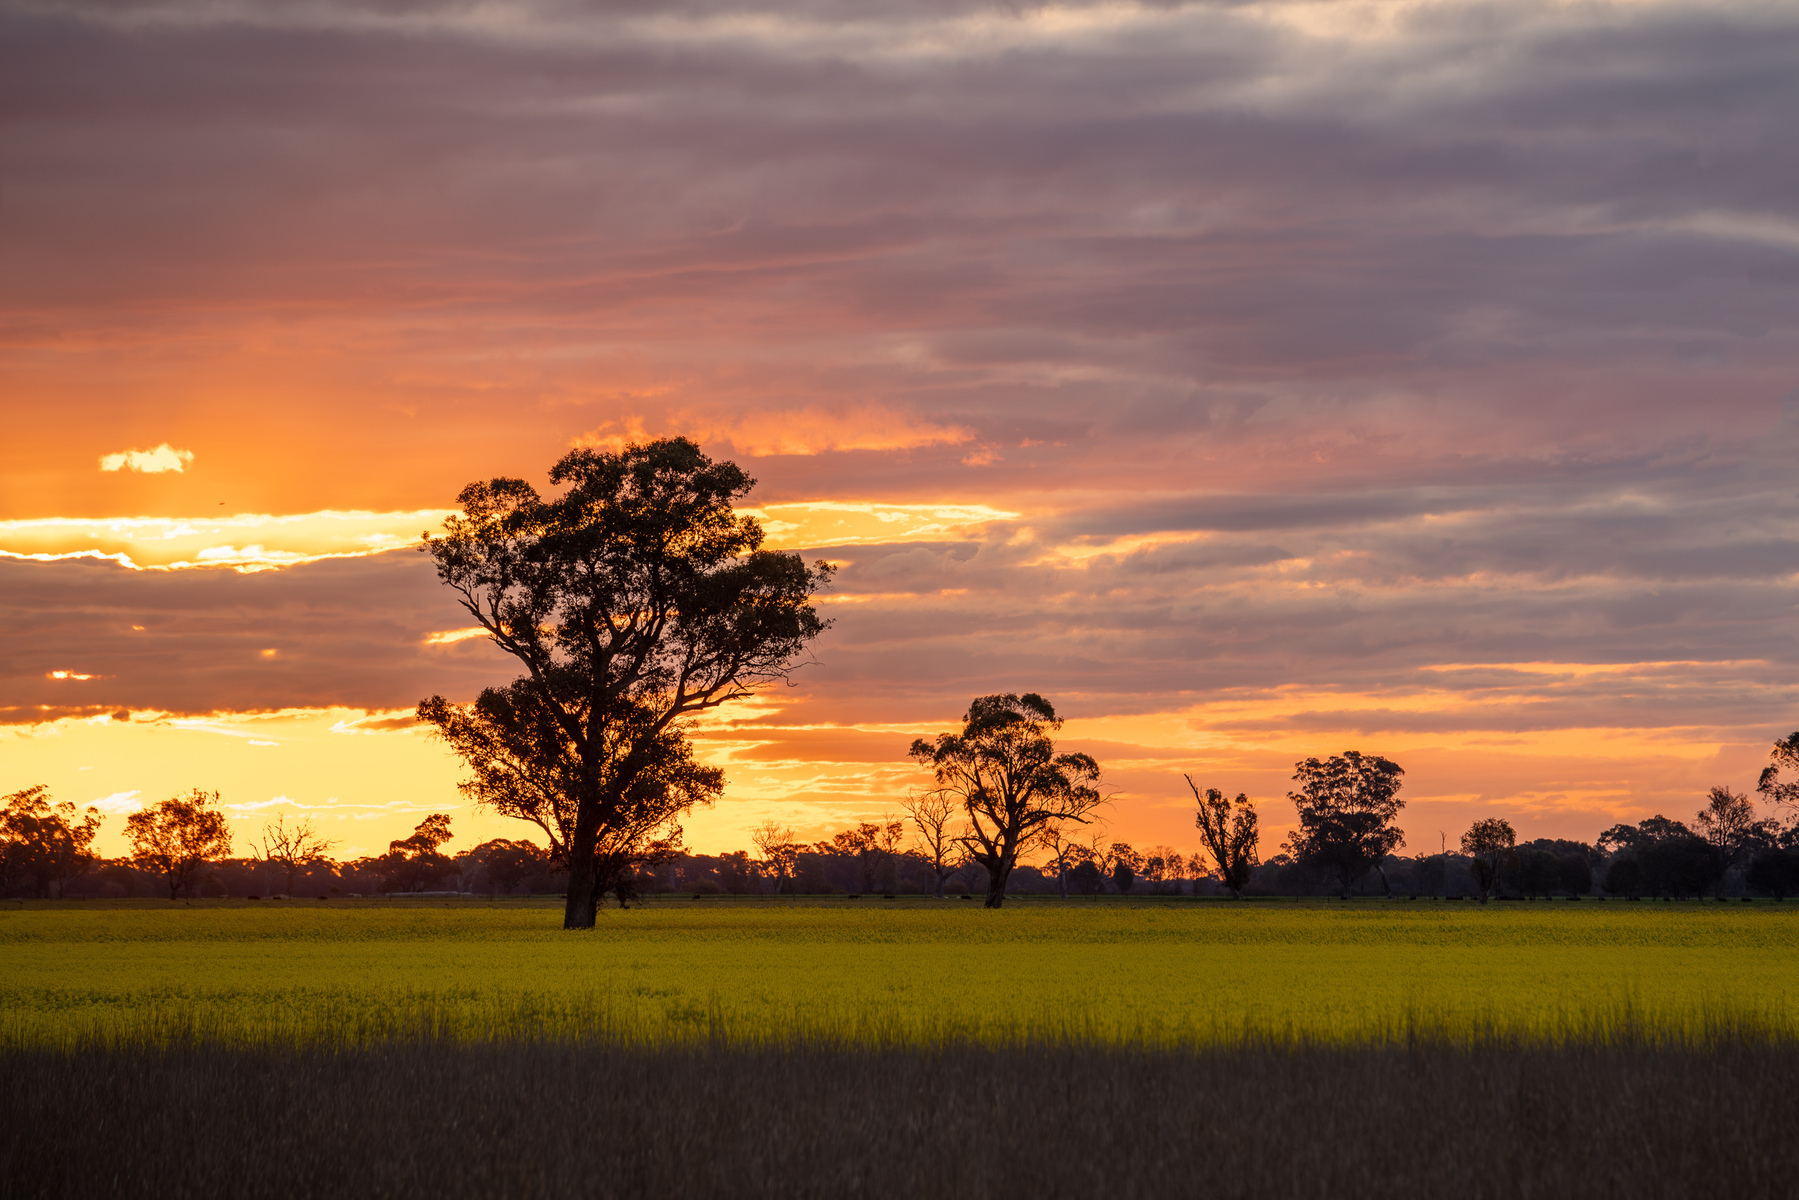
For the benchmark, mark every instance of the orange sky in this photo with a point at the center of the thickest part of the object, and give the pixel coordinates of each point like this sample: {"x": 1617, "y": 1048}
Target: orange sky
{"x": 1251, "y": 385}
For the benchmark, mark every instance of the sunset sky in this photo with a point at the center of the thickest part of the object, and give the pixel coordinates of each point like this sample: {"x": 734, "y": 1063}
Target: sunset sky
{"x": 1254, "y": 380}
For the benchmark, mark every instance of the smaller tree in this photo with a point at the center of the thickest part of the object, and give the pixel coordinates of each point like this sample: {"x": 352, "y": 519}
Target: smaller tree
{"x": 774, "y": 842}
{"x": 1774, "y": 873}
{"x": 42, "y": 844}
{"x": 871, "y": 844}
{"x": 933, "y": 815}
{"x": 177, "y": 837}
{"x": 1729, "y": 826}
{"x": 1003, "y": 769}
{"x": 1126, "y": 864}
{"x": 1229, "y": 830}
{"x": 412, "y": 864}
{"x": 1488, "y": 844}
{"x": 291, "y": 850}
{"x": 1346, "y": 805}
{"x": 509, "y": 863}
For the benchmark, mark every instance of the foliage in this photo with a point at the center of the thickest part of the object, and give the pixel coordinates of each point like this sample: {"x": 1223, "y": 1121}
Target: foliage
{"x": 509, "y": 863}
{"x": 43, "y": 844}
{"x": 1488, "y": 843}
{"x": 636, "y": 601}
{"x": 1346, "y": 806}
{"x": 779, "y": 851}
{"x": 872, "y": 845}
{"x": 1667, "y": 857}
{"x": 1774, "y": 873}
{"x": 1729, "y": 825}
{"x": 414, "y": 863}
{"x": 1229, "y": 831}
{"x": 1004, "y": 771}
{"x": 177, "y": 837}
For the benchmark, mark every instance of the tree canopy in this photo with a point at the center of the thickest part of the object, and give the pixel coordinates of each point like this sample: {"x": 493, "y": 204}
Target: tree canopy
{"x": 636, "y": 600}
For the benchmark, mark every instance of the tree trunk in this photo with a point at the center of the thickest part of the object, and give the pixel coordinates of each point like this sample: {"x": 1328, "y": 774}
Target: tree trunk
{"x": 583, "y": 906}
{"x": 996, "y": 884}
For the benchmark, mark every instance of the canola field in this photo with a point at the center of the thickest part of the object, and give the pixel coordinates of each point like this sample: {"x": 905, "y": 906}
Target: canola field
{"x": 915, "y": 972}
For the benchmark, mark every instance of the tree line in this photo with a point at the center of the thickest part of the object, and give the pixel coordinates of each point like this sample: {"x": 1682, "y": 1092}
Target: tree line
{"x": 1345, "y": 840}
{"x": 639, "y": 599}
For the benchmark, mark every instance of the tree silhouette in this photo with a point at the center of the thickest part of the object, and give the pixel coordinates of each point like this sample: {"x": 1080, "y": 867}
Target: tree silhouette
{"x": 42, "y": 844}
{"x": 1346, "y": 807}
{"x": 775, "y": 843}
{"x": 1729, "y": 825}
{"x": 636, "y": 601}
{"x": 177, "y": 837}
{"x": 1229, "y": 830}
{"x": 932, "y": 814}
{"x": 292, "y": 849}
{"x": 1004, "y": 771}
{"x": 1488, "y": 843}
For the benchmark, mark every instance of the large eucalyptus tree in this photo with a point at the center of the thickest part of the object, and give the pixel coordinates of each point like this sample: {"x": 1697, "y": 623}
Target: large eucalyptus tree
{"x": 636, "y": 600}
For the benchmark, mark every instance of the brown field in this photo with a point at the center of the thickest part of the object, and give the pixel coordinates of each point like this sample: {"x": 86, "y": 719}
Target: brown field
{"x": 522, "y": 1120}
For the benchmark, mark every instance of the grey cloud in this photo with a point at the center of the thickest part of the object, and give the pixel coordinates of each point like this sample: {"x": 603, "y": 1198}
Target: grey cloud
{"x": 344, "y": 632}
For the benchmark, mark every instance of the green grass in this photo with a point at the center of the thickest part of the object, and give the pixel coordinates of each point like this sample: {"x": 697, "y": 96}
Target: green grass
{"x": 905, "y": 973}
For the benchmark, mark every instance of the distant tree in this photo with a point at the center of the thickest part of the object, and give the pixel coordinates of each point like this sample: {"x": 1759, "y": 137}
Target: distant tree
{"x": 1004, "y": 771}
{"x": 1729, "y": 825}
{"x": 413, "y": 864}
{"x": 1675, "y": 861}
{"x": 933, "y": 815}
{"x": 1488, "y": 843}
{"x": 1624, "y": 877}
{"x": 636, "y": 601}
{"x": 43, "y": 844}
{"x": 1346, "y": 806}
{"x": 509, "y": 863}
{"x": 870, "y": 844}
{"x": 1161, "y": 864}
{"x": 292, "y": 850}
{"x": 1619, "y": 838}
{"x": 774, "y": 842}
{"x": 177, "y": 837}
{"x": 1774, "y": 873}
{"x": 1546, "y": 864}
{"x": 1229, "y": 830}
{"x": 1087, "y": 879}
{"x": 1124, "y": 867}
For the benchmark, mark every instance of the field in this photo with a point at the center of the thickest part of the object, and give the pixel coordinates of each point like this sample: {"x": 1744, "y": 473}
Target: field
{"x": 911, "y": 973}
{"x": 742, "y": 1048}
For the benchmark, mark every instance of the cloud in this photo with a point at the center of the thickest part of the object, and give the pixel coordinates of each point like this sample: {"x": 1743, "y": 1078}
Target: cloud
{"x": 148, "y": 462}
{"x": 119, "y": 802}
{"x": 183, "y": 543}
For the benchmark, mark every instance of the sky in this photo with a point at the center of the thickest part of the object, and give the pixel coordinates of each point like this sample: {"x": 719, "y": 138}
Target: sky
{"x": 1254, "y": 380}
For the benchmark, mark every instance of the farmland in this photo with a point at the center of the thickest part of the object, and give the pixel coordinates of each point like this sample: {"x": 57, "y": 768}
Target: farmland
{"x": 912, "y": 973}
